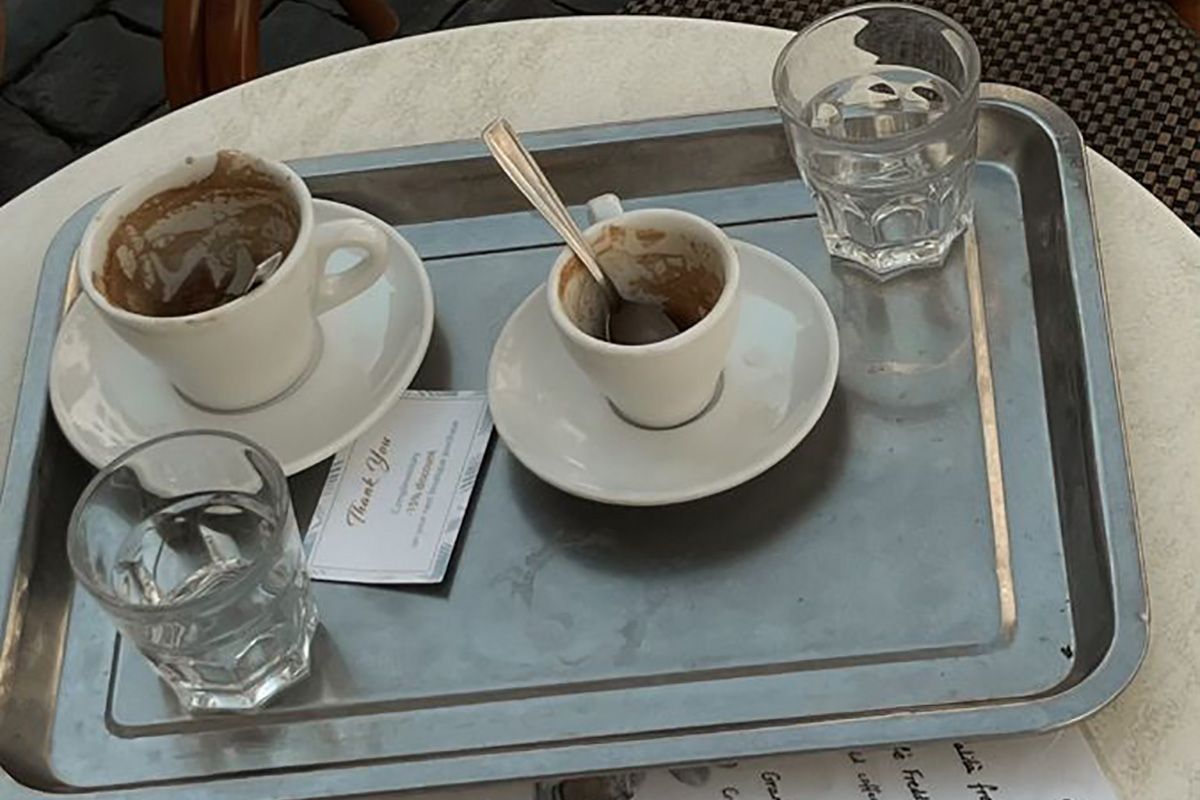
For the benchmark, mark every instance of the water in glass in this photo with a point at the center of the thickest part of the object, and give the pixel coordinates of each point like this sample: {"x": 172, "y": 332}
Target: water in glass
{"x": 880, "y": 104}
{"x": 203, "y": 573}
{"x": 884, "y": 195}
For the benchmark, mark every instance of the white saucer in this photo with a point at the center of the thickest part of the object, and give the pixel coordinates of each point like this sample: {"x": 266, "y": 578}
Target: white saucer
{"x": 779, "y": 378}
{"x": 108, "y": 398}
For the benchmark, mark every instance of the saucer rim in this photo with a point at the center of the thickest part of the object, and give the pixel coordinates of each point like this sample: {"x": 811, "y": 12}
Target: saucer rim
{"x": 316, "y": 455}
{"x": 712, "y": 487}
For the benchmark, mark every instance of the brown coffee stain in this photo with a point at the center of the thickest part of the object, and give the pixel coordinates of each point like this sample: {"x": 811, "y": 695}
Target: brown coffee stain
{"x": 687, "y": 292}
{"x": 582, "y": 299}
{"x": 176, "y": 253}
{"x": 649, "y": 236}
{"x": 571, "y": 271}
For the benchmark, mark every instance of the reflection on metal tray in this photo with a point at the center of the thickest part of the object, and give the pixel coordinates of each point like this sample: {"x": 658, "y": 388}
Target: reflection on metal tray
{"x": 951, "y": 553}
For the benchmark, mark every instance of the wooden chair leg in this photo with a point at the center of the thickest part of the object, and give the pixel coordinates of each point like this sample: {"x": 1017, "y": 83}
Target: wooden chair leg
{"x": 1189, "y": 10}
{"x": 183, "y": 51}
{"x": 230, "y": 42}
{"x": 375, "y": 17}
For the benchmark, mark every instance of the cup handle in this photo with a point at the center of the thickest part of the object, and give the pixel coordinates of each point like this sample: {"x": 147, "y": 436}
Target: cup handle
{"x": 606, "y": 206}
{"x": 348, "y": 284}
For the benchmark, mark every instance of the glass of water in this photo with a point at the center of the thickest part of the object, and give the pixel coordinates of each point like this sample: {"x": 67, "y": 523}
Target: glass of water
{"x": 189, "y": 542}
{"x": 880, "y": 104}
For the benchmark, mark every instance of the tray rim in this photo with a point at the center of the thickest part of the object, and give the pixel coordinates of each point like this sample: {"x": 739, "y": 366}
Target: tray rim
{"x": 1115, "y": 491}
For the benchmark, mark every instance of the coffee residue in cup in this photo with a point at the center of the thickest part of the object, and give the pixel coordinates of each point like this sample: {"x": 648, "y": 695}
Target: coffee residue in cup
{"x": 687, "y": 293}
{"x": 178, "y": 251}
{"x": 682, "y": 275}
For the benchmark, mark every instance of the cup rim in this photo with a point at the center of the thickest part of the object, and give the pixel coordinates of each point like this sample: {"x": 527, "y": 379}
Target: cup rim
{"x": 115, "y": 207}
{"x": 100, "y": 591}
{"x": 973, "y": 69}
{"x": 732, "y": 278}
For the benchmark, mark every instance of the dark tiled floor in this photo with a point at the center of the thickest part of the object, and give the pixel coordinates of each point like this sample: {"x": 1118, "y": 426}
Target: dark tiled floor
{"x": 79, "y": 73}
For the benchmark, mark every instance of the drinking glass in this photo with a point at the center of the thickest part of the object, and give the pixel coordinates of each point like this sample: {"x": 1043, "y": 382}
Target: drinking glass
{"x": 189, "y": 542}
{"x": 880, "y": 103}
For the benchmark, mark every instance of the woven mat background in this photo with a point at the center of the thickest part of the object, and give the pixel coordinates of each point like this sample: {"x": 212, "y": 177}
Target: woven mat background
{"x": 1128, "y": 72}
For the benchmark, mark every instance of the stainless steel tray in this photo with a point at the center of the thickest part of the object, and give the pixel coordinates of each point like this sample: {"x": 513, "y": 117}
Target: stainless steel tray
{"x": 951, "y": 553}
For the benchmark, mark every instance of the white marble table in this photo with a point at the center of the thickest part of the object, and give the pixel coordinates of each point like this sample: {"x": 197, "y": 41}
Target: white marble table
{"x": 557, "y": 73}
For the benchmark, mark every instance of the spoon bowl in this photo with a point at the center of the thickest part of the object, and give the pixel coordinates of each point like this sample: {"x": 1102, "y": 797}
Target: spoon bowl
{"x": 247, "y": 279}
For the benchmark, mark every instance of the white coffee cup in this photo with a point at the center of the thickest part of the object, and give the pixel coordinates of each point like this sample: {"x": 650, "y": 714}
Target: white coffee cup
{"x": 253, "y": 348}
{"x": 665, "y": 256}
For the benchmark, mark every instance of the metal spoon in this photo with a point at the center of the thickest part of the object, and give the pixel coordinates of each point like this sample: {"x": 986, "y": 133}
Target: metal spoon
{"x": 629, "y": 321}
{"x": 247, "y": 280}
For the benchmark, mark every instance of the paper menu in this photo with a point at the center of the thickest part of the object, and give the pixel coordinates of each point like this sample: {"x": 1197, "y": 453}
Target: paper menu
{"x": 395, "y": 500}
{"x": 1056, "y": 766}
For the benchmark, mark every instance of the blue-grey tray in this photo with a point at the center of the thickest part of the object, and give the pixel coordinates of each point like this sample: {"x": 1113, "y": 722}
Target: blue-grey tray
{"x": 951, "y": 553}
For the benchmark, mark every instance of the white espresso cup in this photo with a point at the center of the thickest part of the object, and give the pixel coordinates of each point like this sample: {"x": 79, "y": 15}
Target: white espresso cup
{"x": 672, "y": 258}
{"x": 251, "y": 349}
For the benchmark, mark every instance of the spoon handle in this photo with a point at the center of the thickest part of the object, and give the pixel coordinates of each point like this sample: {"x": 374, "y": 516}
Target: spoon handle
{"x": 519, "y": 165}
